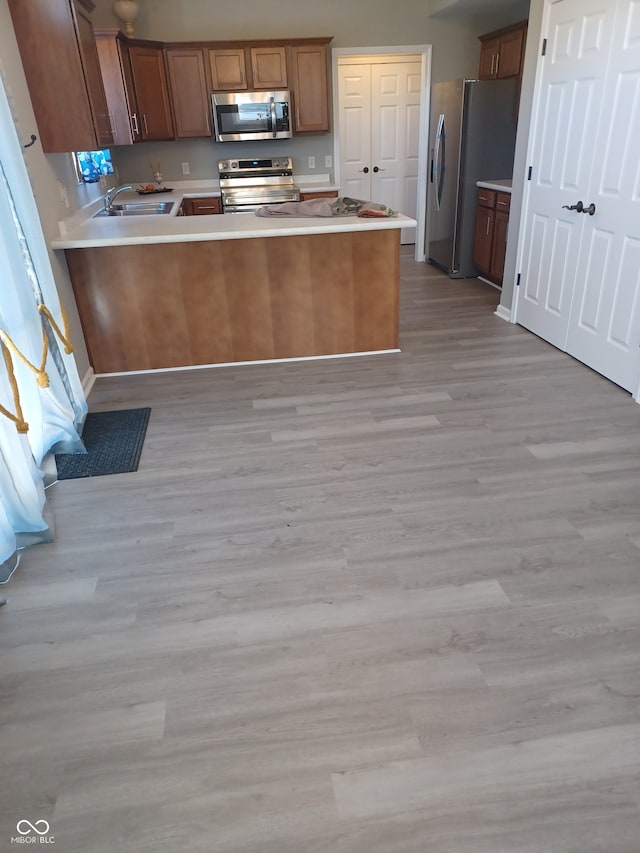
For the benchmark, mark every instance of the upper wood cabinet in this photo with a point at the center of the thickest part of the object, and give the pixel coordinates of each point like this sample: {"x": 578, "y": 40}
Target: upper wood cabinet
{"x": 151, "y": 90}
{"x": 118, "y": 86}
{"x": 269, "y": 67}
{"x": 309, "y": 87}
{"x": 189, "y": 92}
{"x": 502, "y": 52}
{"x": 228, "y": 69}
{"x": 92, "y": 75}
{"x": 58, "y": 52}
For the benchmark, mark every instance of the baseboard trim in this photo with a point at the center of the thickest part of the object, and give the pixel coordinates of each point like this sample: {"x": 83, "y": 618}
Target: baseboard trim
{"x": 489, "y": 282}
{"x": 248, "y": 363}
{"x": 503, "y": 312}
{"x": 89, "y": 381}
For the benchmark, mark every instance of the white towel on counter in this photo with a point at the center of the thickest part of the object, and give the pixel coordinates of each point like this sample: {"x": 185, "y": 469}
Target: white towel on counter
{"x": 342, "y": 206}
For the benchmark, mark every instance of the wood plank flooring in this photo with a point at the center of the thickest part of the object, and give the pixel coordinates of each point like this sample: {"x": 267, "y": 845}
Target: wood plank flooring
{"x": 387, "y": 604}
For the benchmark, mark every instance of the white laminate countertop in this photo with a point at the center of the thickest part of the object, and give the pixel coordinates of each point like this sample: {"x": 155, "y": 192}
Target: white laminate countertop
{"x": 82, "y": 231}
{"x": 502, "y": 186}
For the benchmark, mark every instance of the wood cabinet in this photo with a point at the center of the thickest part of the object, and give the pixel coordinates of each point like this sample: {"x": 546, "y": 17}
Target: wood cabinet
{"x": 492, "y": 225}
{"x": 118, "y": 86}
{"x": 228, "y": 69}
{"x": 310, "y": 195}
{"x": 299, "y": 65}
{"x": 92, "y": 75}
{"x": 205, "y": 206}
{"x": 189, "y": 92}
{"x": 57, "y": 47}
{"x": 151, "y": 91}
{"x": 502, "y": 52}
{"x": 214, "y": 301}
{"x": 310, "y": 87}
{"x": 268, "y": 67}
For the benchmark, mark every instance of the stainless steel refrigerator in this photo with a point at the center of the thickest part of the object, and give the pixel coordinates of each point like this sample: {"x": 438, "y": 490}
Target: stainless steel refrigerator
{"x": 472, "y": 138}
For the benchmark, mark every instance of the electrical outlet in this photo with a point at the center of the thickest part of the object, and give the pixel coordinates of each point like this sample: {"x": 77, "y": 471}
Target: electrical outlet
{"x": 328, "y": 161}
{"x": 186, "y": 170}
{"x": 312, "y": 162}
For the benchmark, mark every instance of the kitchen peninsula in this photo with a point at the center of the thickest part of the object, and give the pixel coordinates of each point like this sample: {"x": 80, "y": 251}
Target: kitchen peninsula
{"x": 169, "y": 291}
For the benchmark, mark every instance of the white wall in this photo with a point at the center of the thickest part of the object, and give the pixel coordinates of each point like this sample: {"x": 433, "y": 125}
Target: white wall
{"x": 45, "y": 171}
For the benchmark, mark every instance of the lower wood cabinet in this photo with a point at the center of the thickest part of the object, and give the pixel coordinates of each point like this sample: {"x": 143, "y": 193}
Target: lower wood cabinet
{"x": 492, "y": 225}
{"x": 201, "y": 206}
{"x": 208, "y": 302}
{"x": 310, "y": 195}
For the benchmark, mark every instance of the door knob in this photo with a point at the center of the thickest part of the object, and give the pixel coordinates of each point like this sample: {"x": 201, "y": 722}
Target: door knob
{"x": 378, "y": 169}
{"x": 365, "y": 170}
{"x": 579, "y": 207}
{"x": 590, "y": 210}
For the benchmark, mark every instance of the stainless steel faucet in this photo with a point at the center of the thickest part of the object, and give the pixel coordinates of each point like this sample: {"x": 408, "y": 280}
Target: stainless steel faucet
{"x": 112, "y": 193}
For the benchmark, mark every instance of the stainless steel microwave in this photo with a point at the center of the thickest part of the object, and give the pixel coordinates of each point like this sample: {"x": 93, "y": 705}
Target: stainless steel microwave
{"x": 242, "y": 116}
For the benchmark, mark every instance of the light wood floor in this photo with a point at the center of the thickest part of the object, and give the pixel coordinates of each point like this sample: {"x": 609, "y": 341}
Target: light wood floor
{"x": 380, "y": 605}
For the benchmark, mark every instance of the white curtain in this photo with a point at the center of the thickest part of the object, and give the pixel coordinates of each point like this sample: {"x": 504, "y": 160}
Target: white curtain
{"x": 54, "y": 414}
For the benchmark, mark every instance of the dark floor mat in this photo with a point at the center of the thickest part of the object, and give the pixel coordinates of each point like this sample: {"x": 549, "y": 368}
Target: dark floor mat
{"x": 113, "y": 441}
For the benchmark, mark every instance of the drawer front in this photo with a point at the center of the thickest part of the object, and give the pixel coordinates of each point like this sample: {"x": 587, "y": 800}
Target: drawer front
{"x": 487, "y": 198}
{"x": 503, "y": 202}
{"x": 204, "y": 206}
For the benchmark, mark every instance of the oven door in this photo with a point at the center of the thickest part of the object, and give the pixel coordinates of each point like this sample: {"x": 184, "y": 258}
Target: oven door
{"x": 243, "y": 116}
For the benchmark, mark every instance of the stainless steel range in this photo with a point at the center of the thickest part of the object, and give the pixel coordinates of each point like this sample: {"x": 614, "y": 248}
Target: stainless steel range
{"x": 247, "y": 185}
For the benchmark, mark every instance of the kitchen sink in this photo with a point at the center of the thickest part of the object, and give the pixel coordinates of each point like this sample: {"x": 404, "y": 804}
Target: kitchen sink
{"x": 137, "y": 208}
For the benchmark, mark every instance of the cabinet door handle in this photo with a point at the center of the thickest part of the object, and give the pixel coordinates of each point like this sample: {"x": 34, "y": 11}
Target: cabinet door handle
{"x": 206, "y": 118}
{"x": 502, "y": 204}
{"x": 497, "y": 62}
{"x": 134, "y": 121}
{"x": 146, "y": 128}
{"x": 493, "y": 59}
{"x": 488, "y": 226}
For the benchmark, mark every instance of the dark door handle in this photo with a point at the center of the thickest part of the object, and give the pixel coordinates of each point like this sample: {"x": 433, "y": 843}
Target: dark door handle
{"x": 378, "y": 169}
{"x": 579, "y": 207}
{"x": 365, "y": 170}
{"x": 590, "y": 210}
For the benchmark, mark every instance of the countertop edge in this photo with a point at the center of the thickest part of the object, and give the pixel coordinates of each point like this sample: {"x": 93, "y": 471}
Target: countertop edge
{"x": 499, "y": 186}
{"x": 280, "y": 227}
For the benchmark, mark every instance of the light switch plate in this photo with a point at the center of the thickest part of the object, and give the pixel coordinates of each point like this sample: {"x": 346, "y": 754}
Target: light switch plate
{"x": 312, "y": 162}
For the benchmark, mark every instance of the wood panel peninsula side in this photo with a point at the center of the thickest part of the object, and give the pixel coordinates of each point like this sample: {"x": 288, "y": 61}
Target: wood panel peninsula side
{"x": 312, "y": 291}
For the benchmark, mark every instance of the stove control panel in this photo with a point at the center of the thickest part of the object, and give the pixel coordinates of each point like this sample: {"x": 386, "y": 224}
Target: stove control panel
{"x": 263, "y": 165}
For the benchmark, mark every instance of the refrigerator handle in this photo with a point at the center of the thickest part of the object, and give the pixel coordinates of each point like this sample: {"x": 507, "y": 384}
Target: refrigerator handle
{"x": 438, "y": 168}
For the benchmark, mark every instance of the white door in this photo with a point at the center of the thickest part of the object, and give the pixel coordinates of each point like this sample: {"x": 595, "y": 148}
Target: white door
{"x": 604, "y": 324}
{"x": 379, "y": 134}
{"x": 579, "y": 286}
{"x": 355, "y": 130}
